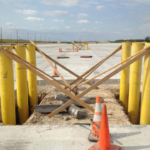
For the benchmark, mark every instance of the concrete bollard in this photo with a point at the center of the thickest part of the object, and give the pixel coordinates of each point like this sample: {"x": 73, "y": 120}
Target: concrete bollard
{"x": 7, "y": 89}
{"x": 86, "y": 46}
{"x": 124, "y": 78}
{"x": 72, "y": 46}
{"x": 134, "y": 86}
{"x": 32, "y": 78}
{"x": 22, "y": 92}
{"x": 145, "y": 103}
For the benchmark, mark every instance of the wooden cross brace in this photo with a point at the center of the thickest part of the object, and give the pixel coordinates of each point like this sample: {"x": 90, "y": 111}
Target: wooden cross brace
{"x": 87, "y": 73}
{"x": 74, "y": 98}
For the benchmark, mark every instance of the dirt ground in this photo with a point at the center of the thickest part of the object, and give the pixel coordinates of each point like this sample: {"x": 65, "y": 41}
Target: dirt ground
{"x": 116, "y": 114}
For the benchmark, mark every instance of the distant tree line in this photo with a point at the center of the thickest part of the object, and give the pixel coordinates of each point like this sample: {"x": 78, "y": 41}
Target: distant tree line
{"x": 147, "y": 39}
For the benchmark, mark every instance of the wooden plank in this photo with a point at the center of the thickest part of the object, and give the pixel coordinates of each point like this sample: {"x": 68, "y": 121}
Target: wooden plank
{"x": 146, "y": 50}
{"x": 43, "y": 72}
{"x": 96, "y": 66}
{"x": 110, "y": 68}
{"x": 103, "y": 80}
{"x": 62, "y": 66}
{"x": 119, "y": 48}
{"x": 60, "y": 108}
{"x": 31, "y": 68}
{"x": 67, "y": 84}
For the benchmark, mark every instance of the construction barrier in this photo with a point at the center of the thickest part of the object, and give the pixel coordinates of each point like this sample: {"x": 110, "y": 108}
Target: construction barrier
{"x": 22, "y": 90}
{"x": 104, "y": 142}
{"x": 80, "y": 46}
{"x": 60, "y": 50}
{"x": 86, "y": 46}
{"x": 7, "y": 89}
{"x": 135, "y": 60}
{"x": 54, "y": 72}
{"x": 124, "y": 78}
{"x": 134, "y": 85}
{"x": 145, "y": 102}
{"x": 32, "y": 78}
{"x": 94, "y": 135}
{"x": 72, "y": 46}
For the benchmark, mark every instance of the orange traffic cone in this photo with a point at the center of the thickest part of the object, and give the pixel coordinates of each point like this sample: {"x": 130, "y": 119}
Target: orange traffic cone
{"x": 60, "y": 50}
{"x": 55, "y": 73}
{"x": 94, "y": 135}
{"x": 77, "y": 50}
{"x": 104, "y": 138}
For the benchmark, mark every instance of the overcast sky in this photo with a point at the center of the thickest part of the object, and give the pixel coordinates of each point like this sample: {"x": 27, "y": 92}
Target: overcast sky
{"x": 71, "y": 20}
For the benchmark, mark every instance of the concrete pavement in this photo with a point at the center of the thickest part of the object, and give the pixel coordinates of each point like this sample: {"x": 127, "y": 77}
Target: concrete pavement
{"x": 70, "y": 137}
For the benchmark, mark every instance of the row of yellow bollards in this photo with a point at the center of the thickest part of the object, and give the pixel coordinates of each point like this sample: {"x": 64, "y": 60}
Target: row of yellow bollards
{"x": 135, "y": 103}
{"x": 86, "y": 46}
{"x": 24, "y": 89}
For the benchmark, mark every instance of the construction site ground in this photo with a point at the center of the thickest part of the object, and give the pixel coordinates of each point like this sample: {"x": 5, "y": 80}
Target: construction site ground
{"x": 70, "y": 137}
{"x": 109, "y": 92}
{"x": 79, "y": 66}
{"x": 40, "y": 132}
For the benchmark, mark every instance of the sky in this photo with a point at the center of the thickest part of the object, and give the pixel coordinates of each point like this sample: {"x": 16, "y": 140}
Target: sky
{"x": 70, "y": 20}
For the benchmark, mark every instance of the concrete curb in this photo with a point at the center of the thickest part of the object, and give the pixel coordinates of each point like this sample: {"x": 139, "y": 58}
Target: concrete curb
{"x": 110, "y": 81}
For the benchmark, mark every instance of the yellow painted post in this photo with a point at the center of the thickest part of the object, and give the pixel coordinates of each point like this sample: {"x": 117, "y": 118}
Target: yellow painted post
{"x": 22, "y": 92}
{"x": 145, "y": 103}
{"x": 124, "y": 78}
{"x": 86, "y": 46}
{"x": 32, "y": 79}
{"x": 7, "y": 89}
{"x": 134, "y": 86}
{"x": 72, "y": 46}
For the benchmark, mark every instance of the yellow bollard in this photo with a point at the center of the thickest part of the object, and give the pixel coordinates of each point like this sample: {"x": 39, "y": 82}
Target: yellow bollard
{"x": 86, "y": 46}
{"x": 7, "y": 89}
{"x": 124, "y": 79}
{"x": 32, "y": 79}
{"x": 72, "y": 46}
{"x": 145, "y": 103}
{"x": 22, "y": 92}
{"x": 134, "y": 86}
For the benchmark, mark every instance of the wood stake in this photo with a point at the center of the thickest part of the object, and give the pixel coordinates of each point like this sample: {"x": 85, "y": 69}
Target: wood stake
{"x": 67, "y": 84}
{"x": 61, "y": 65}
{"x": 144, "y": 52}
{"x": 95, "y": 67}
{"x": 43, "y": 72}
{"x": 111, "y": 68}
{"x": 31, "y": 68}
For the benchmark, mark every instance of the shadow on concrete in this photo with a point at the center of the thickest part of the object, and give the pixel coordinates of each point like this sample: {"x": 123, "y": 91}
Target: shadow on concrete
{"x": 85, "y": 127}
{"x": 135, "y": 147}
{"x": 122, "y": 135}
{"x": 115, "y": 136}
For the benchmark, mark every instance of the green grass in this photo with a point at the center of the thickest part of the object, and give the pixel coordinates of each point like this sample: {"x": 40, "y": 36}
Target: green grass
{"x": 8, "y": 41}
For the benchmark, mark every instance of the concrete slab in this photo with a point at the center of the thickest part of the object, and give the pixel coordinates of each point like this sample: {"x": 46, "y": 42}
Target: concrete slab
{"x": 75, "y": 63}
{"x": 69, "y": 137}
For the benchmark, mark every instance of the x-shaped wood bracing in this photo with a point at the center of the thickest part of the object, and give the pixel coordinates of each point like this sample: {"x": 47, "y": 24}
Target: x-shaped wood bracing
{"x": 87, "y": 73}
{"x": 38, "y": 72}
{"x": 79, "y": 46}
